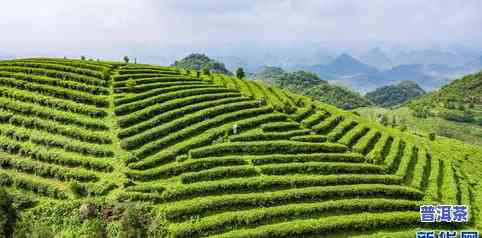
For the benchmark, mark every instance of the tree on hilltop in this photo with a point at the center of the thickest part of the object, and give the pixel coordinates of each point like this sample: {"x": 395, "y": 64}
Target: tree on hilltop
{"x": 240, "y": 73}
{"x": 201, "y": 61}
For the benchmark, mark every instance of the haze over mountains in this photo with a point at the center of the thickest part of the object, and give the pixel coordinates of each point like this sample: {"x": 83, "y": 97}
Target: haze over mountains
{"x": 374, "y": 68}
{"x": 363, "y": 69}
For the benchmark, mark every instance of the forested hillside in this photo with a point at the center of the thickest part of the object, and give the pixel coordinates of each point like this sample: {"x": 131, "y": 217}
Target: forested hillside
{"x": 309, "y": 84}
{"x": 454, "y": 111}
{"x": 395, "y": 94}
{"x": 201, "y": 62}
{"x": 459, "y": 101}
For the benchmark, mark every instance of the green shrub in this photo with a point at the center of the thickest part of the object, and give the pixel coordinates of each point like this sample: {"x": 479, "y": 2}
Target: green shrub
{"x": 253, "y": 119}
{"x": 8, "y": 214}
{"x": 367, "y": 142}
{"x": 170, "y": 127}
{"x": 141, "y": 76}
{"x": 254, "y": 136}
{"x": 169, "y": 115}
{"x": 320, "y": 168}
{"x": 340, "y": 130}
{"x": 73, "y": 85}
{"x": 312, "y": 157}
{"x": 280, "y": 126}
{"x": 134, "y": 221}
{"x": 238, "y": 220}
{"x": 54, "y": 91}
{"x": 77, "y": 189}
{"x": 43, "y": 154}
{"x": 219, "y": 173}
{"x": 303, "y": 112}
{"x": 351, "y": 137}
{"x": 138, "y": 105}
{"x": 251, "y": 115}
{"x": 392, "y": 159}
{"x": 380, "y": 149}
{"x": 202, "y": 205}
{"x": 309, "y": 138}
{"x": 205, "y": 71}
{"x": 321, "y": 226}
{"x": 263, "y": 147}
{"x": 419, "y": 171}
{"x": 50, "y": 114}
{"x": 160, "y": 91}
{"x": 141, "y": 88}
{"x": 59, "y": 129}
{"x": 57, "y": 74}
{"x": 328, "y": 124}
{"x": 240, "y": 73}
{"x": 52, "y": 102}
{"x": 263, "y": 183}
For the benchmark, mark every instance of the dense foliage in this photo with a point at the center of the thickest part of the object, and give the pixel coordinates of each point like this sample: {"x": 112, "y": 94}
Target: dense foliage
{"x": 201, "y": 61}
{"x": 459, "y": 101}
{"x": 310, "y": 84}
{"x": 392, "y": 95}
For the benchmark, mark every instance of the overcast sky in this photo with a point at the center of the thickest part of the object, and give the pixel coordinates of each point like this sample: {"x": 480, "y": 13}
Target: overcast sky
{"x": 77, "y": 26}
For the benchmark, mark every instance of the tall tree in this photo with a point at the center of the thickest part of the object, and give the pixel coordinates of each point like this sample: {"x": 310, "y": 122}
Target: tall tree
{"x": 240, "y": 73}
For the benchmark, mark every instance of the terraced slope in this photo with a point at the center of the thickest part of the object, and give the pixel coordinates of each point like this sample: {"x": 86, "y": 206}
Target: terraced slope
{"x": 219, "y": 156}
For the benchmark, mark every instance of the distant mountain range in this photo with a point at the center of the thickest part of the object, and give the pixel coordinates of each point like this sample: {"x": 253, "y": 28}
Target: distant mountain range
{"x": 364, "y": 71}
{"x": 344, "y": 65}
{"x": 4, "y": 56}
{"x": 377, "y": 58}
{"x": 362, "y": 77}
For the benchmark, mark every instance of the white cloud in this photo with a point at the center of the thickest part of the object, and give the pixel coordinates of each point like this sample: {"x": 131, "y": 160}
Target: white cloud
{"x": 86, "y": 25}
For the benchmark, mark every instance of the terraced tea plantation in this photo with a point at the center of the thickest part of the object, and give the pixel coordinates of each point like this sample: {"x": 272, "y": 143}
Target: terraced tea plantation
{"x": 217, "y": 155}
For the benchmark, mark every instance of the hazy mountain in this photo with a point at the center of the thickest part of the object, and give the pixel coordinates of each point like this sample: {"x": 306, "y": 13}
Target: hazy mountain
{"x": 413, "y": 72}
{"x": 377, "y": 58}
{"x": 234, "y": 62}
{"x": 474, "y": 65}
{"x": 343, "y": 65}
{"x": 403, "y": 72}
{"x": 431, "y": 56}
{"x": 4, "y": 56}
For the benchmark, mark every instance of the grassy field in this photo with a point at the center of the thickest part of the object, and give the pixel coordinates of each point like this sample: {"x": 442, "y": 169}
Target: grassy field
{"x": 167, "y": 152}
{"x": 467, "y": 132}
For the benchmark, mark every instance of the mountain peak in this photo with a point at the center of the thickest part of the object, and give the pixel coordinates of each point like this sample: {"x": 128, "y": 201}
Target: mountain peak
{"x": 377, "y": 57}
{"x": 345, "y": 56}
{"x": 345, "y": 64}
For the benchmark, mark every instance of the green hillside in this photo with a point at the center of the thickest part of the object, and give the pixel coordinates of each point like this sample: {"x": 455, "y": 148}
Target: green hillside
{"x": 404, "y": 118}
{"x": 310, "y": 84}
{"x": 392, "y": 95}
{"x": 199, "y": 62}
{"x": 210, "y": 155}
{"x": 459, "y": 101}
